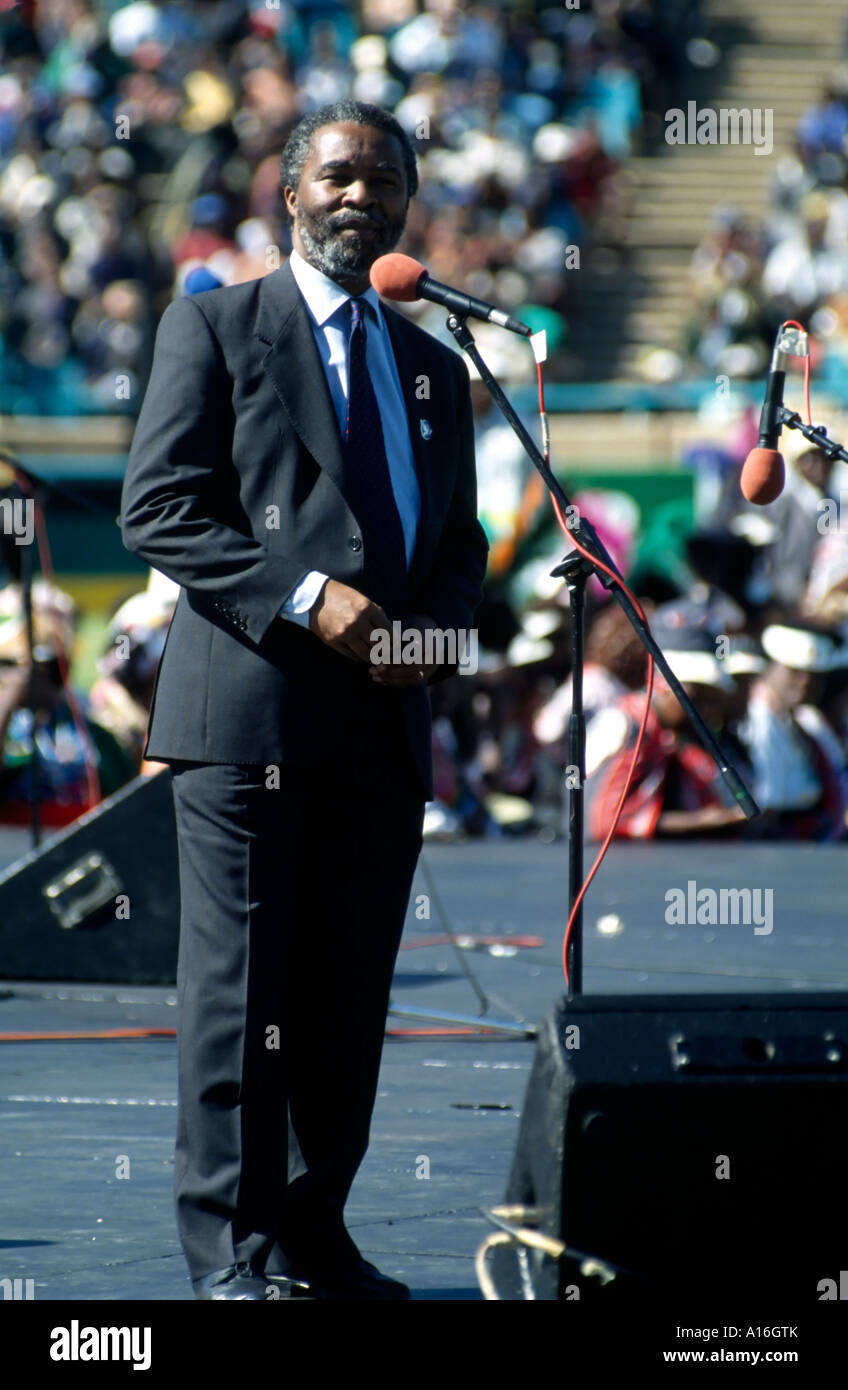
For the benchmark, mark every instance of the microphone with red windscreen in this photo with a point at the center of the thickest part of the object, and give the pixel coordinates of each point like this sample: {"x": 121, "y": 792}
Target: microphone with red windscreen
{"x": 764, "y": 472}
{"x": 400, "y": 277}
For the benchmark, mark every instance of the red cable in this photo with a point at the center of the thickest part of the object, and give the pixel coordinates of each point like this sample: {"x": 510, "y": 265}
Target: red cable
{"x": 443, "y": 1032}
{"x": 121, "y": 1034}
{"x": 790, "y": 323}
{"x": 649, "y": 689}
{"x": 110, "y": 1033}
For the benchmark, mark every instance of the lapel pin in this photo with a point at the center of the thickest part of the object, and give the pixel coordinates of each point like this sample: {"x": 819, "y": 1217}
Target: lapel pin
{"x": 426, "y": 429}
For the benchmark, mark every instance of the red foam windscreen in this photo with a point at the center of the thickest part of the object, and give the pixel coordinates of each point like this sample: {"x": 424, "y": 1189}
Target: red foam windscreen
{"x": 396, "y": 276}
{"x": 763, "y": 476}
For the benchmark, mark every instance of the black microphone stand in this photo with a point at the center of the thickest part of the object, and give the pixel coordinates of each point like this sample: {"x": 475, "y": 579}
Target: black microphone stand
{"x": 817, "y": 434}
{"x": 575, "y": 569}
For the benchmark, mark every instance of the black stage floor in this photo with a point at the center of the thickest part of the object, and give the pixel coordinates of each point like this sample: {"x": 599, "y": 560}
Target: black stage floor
{"x": 73, "y": 1111}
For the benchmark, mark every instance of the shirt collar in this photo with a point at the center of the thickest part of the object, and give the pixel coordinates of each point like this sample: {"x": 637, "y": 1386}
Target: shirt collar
{"x": 323, "y": 296}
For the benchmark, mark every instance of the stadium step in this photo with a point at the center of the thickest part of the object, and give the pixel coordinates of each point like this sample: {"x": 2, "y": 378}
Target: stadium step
{"x": 775, "y": 56}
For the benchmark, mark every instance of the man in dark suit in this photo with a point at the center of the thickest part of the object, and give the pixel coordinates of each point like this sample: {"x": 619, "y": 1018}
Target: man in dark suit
{"x": 303, "y": 466}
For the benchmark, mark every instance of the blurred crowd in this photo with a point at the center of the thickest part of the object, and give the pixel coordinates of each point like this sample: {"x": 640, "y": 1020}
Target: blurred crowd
{"x": 140, "y": 142}
{"x": 752, "y": 616}
{"x": 139, "y": 159}
{"x": 747, "y": 278}
{"x": 62, "y": 746}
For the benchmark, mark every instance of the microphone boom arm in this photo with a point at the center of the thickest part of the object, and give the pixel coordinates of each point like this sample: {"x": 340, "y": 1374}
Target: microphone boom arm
{"x": 817, "y": 434}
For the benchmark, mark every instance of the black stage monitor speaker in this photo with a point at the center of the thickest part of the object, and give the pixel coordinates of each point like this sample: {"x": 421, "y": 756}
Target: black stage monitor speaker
{"x": 100, "y": 900}
{"x": 686, "y": 1147}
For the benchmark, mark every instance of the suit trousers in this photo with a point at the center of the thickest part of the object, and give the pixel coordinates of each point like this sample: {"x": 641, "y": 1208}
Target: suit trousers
{"x": 293, "y": 899}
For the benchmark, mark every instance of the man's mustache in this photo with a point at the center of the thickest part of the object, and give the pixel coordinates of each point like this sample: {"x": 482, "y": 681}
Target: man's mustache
{"x": 339, "y": 223}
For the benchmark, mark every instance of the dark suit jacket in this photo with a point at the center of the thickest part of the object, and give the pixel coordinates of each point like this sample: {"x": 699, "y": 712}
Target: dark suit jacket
{"x": 238, "y": 422}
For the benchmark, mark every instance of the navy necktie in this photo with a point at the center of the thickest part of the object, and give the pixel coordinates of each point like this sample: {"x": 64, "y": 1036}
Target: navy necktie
{"x": 368, "y": 484}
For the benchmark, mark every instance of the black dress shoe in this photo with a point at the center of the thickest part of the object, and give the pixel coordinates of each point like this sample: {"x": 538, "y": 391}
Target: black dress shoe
{"x": 353, "y": 1281}
{"x": 242, "y": 1282}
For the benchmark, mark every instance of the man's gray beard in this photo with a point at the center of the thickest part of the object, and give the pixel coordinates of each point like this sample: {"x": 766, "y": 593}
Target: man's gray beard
{"x": 334, "y": 256}
{"x": 337, "y": 256}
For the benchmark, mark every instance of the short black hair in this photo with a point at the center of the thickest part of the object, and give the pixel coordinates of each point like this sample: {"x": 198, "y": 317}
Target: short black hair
{"x": 296, "y": 149}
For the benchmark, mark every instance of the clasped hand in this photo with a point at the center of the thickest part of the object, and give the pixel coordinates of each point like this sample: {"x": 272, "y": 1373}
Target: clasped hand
{"x": 345, "y": 620}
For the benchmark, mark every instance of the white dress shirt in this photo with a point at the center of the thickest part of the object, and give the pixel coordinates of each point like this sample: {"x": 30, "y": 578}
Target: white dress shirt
{"x": 327, "y": 305}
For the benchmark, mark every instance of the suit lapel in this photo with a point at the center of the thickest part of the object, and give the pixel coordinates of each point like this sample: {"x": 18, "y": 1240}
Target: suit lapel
{"x": 297, "y": 372}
